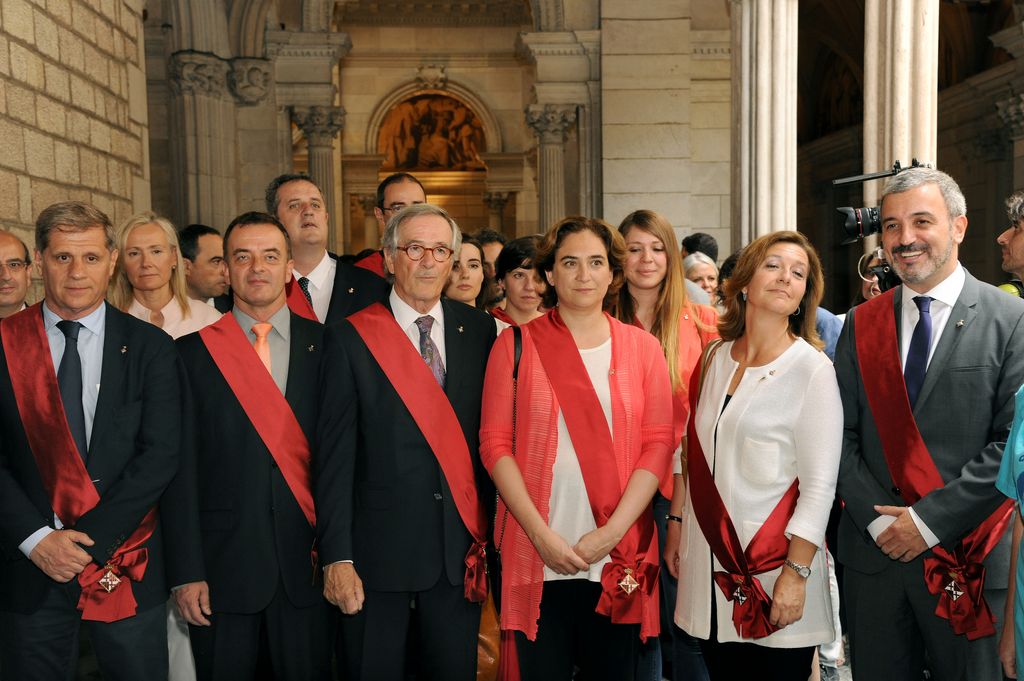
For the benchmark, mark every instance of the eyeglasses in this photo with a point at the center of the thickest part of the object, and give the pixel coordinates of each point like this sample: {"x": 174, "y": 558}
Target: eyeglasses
{"x": 416, "y": 252}
{"x": 14, "y": 266}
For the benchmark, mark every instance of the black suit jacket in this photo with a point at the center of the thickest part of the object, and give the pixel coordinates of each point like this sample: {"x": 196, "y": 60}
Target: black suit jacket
{"x": 231, "y": 518}
{"x": 354, "y": 289}
{"x": 382, "y": 500}
{"x": 133, "y": 455}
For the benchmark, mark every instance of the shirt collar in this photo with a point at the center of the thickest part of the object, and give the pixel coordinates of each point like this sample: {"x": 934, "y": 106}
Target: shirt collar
{"x": 318, "y": 275}
{"x": 946, "y": 292}
{"x": 406, "y": 316}
{"x": 93, "y": 322}
{"x": 171, "y": 311}
{"x": 280, "y": 320}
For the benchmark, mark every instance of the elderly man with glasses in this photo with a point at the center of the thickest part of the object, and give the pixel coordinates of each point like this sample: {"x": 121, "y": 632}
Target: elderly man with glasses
{"x": 400, "y": 515}
{"x": 15, "y": 274}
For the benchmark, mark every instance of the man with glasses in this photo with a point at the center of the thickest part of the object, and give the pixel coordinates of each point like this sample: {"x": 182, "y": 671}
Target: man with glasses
{"x": 400, "y": 515}
{"x": 394, "y": 193}
{"x": 15, "y": 274}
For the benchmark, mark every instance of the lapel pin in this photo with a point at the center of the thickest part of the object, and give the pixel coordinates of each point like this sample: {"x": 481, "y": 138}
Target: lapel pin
{"x": 959, "y": 323}
{"x": 312, "y": 348}
{"x": 124, "y": 349}
{"x": 460, "y": 329}
{"x": 351, "y": 290}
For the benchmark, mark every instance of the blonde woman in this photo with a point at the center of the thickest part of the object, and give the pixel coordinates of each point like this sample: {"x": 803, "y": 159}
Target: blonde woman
{"x": 149, "y": 283}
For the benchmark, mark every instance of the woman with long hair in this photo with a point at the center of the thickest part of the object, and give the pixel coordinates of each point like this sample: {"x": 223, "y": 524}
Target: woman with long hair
{"x": 763, "y": 455}
{"x": 576, "y": 447}
{"x": 150, "y": 279}
{"x": 468, "y": 282}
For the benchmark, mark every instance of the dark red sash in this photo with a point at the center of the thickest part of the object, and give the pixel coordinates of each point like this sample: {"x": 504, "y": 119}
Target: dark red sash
{"x": 629, "y": 583}
{"x": 297, "y": 301}
{"x": 433, "y": 414}
{"x": 949, "y": 575}
{"x": 264, "y": 405}
{"x": 500, "y": 314}
{"x": 374, "y": 263}
{"x": 106, "y": 591}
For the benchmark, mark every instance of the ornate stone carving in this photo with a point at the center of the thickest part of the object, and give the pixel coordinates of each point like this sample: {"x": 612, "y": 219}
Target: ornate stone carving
{"x": 250, "y": 80}
{"x": 1011, "y": 113}
{"x": 198, "y": 73}
{"x": 320, "y": 124}
{"x": 432, "y": 76}
{"x": 990, "y": 145}
{"x": 368, "y": 203}
{"x": 496, "y": 200}
{"x": 551, "y": 121}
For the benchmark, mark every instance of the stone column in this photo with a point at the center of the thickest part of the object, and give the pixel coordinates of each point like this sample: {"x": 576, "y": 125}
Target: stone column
{"x": 371, "y": 239}
{"x": 203, "y": 139}
{"x": 1011, "y": 106}
{"x": 320, "y": 125}
{"x": 901, "y": 51}
{"x": 551, "y": 122}
{"x": 496, "y": 209}
{"x": 764, "y": 116}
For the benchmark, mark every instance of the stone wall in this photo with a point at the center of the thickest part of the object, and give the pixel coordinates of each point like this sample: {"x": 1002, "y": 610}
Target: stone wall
{"x": 73, "y": 119}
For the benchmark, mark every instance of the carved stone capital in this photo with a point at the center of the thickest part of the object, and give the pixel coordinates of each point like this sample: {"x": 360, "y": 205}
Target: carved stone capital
{"x": 320, "y": 124}
{"x": 250, "y": 80}
{"x": 551, "y": 122}
{"x": 198, "y": 73}
{"x": 496, "y": 200}
{"x": 432, "y": 76}
{"x": 368, "y": 203}
{"x": 1011, "y": 113}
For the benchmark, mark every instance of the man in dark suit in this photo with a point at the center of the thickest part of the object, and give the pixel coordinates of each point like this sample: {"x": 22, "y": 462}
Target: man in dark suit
{"x": 243, "y": 519}
{"x": 332, "y": 289}
{"x": 90, "y": 418}
{"x": 921, "y": 510}
{"x": 397, "y": 479}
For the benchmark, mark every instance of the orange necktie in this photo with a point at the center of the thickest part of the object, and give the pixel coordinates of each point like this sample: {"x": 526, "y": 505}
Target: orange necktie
{"x": 261, "y": 344}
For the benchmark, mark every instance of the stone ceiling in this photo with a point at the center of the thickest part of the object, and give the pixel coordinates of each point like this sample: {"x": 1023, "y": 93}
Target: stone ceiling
{"x": 433, "y": 13}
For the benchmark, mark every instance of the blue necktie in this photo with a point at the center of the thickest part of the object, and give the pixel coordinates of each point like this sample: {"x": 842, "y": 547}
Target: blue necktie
{"x": 428, "y": 350}
{"x": 69, "y": 380}
{"x": 917, "y": 356}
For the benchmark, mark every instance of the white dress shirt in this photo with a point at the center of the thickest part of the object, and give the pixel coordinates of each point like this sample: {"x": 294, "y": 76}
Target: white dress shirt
{"x": 321, "y": 285}
{"x": 406, "y": 317}
{"x": 944, "y": 297}
{"x": 176, "y": 324}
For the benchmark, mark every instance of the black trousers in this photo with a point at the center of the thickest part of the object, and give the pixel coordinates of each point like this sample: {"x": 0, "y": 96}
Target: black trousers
{"x": 292, "y": 643}
{"x": 439, "y": 623}
{"x": 43, "y": 646}
{"x": 570, "y": 634}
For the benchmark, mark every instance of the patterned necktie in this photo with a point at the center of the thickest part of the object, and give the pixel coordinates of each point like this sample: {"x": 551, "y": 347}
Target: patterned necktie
{"x": 69, "y": 380}
{"x": 304, "y": 285}
{"x": 428, "y": 350}
{"x": 261, "y": 344}
{"x": 917, "y": 355}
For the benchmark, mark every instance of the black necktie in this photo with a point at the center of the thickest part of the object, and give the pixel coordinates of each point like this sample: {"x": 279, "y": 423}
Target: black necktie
{"x": 69, "y": 379}
{"x": 917, "y": 355}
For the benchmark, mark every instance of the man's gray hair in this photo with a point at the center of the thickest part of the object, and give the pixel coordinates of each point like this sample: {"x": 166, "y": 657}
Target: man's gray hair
{"x": 389, "y": 242}
{"x": 1015, "y": 207}
{"x": 71, "y": 216}
{"x": 912, "y": 178}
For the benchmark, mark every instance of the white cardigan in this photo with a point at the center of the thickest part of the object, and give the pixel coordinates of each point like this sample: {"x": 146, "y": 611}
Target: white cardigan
{"x": 784, "y": 421}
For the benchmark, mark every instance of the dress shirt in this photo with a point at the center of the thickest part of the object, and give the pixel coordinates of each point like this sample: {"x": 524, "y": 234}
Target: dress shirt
{"x": 321, "y": 285}
{"x": 406, "y": 317}
{"x": 176, "y": 324}
{"x": 90, "y": 349}
{"x": 279, "y": 339}
{"x": 944, "y": 297}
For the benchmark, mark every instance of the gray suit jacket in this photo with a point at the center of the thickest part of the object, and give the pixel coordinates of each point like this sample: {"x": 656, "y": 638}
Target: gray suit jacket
{"x": 963, "y": 412}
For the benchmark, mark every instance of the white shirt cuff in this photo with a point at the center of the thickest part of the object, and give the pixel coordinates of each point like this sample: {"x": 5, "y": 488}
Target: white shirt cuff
{"x": 350, "y": 562}
{"x": 927, "y": 534}
{"x": 677, "y": 460}
{"x": 878, "y": 525}
{"x": 33, "y": 540}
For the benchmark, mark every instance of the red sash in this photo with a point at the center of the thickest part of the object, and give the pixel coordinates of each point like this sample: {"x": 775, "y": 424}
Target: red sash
{"x": 629, "y": 583}
{"x": 264, "y": 405}
{"x": 106, "y": 591}
{"x": 949, "y": 575}
{"x": 297, "y": 301}
{"x": 433, "y": 414}
{"x": 500, "y": 314}
{"x": 374, "y": 263}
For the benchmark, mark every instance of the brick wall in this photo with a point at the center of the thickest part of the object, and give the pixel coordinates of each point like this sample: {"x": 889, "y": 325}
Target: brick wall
{"x": 72, "y": 108}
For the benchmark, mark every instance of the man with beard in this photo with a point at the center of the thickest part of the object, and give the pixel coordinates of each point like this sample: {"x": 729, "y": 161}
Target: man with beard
{"x": 917, "y": 473}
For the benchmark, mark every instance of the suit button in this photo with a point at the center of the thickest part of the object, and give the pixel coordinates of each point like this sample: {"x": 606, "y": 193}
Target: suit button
{"x": 437, "y": 495}
{"x": 897, "y": 491}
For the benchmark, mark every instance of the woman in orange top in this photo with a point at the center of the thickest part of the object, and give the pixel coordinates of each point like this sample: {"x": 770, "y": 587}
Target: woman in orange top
{"x": 654, "y": 298}
{"x": 592, "y": 439}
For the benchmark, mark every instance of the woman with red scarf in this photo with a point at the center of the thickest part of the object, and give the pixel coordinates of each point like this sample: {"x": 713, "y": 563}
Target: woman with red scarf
{"x": 576, "y": 449}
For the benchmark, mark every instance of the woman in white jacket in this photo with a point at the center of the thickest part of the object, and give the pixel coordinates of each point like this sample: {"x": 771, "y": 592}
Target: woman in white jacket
{"x": 762, "y": 460}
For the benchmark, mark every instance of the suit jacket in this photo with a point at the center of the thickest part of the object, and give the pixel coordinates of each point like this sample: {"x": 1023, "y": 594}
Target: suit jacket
{"x": 133, "y": 455}
{"x": 963, "y": 412}
{"x": 382, "y": 500}
{"x": 231, "y": 518}
{"x": 354, "y": 289}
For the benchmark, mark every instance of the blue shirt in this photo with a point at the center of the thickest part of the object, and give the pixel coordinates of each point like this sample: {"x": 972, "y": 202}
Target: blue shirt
{"x": 828, "y": 326}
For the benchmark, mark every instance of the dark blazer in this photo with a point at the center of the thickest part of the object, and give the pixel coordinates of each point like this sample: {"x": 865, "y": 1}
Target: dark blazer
{"x": 963, "y": 412}
{"x": 231, "y": 518}
{"x": 133, "y": 455}
{"x": 382, "y": 500}
{"x": 354, "y": 289}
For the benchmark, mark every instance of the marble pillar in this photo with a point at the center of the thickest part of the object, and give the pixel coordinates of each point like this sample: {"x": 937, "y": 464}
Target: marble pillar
{"x": 496, "y": 210}
{"x": 551, "y": 122}
{"x": 320, "y": 125}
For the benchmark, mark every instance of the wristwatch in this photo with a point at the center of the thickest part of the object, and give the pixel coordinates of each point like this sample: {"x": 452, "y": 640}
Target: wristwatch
{"x": 802, "y": 570}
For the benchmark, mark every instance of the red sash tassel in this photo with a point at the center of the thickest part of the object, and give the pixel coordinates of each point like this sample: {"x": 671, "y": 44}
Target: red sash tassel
{"x": 430, "y": 409}
{"x": 958, "y": 577}
{"x": 63, "y": 473}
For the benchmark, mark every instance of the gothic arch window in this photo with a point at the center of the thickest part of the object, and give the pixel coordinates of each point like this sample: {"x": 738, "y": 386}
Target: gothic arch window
{"x": 431, "y": 132}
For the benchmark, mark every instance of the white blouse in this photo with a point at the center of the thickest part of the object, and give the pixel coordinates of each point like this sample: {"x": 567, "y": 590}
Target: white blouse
{"x": 177, "y": 325}
{"x": 784, "y": 421}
